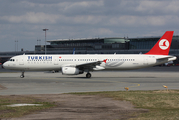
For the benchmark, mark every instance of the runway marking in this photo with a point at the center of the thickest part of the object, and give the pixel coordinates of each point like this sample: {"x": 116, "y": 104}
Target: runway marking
{"x": 137, "y": 85}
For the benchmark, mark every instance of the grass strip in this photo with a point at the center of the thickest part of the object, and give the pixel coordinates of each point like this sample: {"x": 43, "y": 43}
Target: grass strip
{"x": 162, "y": 105}
{"x": 11, "y": 112}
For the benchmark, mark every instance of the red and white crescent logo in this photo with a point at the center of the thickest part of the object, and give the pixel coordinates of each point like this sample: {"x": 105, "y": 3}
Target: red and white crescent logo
{"x": 163, "y": 44}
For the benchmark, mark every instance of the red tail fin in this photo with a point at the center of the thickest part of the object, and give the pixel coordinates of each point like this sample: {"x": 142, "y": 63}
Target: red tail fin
{"x": 162, "y": 47}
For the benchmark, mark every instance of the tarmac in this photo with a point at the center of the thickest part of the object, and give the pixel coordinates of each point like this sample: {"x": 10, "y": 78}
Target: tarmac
{"x": 152, "y": 78}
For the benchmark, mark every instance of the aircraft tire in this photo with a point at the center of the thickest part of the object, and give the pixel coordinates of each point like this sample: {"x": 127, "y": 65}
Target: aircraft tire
{"x": 88, "y": 75}
{"x": 22, "y": 76}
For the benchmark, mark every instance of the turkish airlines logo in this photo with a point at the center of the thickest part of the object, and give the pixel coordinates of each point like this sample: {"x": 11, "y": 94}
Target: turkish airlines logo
{"x": 163, "y": 44}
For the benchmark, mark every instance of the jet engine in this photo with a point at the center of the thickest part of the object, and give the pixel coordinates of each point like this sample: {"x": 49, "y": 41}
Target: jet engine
{"x": 71, "y": 71}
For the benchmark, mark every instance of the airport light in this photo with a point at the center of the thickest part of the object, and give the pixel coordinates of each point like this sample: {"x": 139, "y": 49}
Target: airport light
{"x": 165, "y": 87}
{"x": 38, "y": 42}
{"x": 45, "y": 38}
{"x": 126, "y": 88}
{"x": 16, "y": 45}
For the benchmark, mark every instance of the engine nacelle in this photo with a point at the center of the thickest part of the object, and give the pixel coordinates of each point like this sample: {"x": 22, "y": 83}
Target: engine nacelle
{"x": 71, "y": 71}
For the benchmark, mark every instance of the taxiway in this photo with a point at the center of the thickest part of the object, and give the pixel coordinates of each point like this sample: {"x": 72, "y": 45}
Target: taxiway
{"x": 54, "y": 83}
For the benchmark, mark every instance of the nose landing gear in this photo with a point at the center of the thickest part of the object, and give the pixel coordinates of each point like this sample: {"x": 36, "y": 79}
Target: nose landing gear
{"x": 22, "y": 75}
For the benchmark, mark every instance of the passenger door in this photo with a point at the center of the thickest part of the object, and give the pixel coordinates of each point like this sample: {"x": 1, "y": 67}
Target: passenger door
{"x": 145, "y": 60}
{"x": 55, "y": 60}
{"x": 21, "y": 60}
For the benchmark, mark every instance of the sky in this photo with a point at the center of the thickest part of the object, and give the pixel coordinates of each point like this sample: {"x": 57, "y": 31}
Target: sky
{"x": 23, "y": 20}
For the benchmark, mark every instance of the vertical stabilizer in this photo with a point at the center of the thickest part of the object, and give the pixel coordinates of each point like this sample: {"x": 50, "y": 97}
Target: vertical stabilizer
{"x": 162, "y": 47}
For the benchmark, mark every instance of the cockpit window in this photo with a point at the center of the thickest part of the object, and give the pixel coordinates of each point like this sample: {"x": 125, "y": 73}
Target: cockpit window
{"x": 11, "y": 59}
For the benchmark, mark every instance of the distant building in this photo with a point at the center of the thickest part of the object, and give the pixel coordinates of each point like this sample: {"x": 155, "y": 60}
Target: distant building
{"x": 105, "y": 45}
{"x": 98, "y": 46}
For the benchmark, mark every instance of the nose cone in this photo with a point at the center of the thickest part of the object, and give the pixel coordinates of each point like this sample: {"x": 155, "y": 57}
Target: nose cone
{"x": 4, "y": 65}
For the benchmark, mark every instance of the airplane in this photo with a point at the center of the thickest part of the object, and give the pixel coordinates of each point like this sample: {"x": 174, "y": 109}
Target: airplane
{"x": 74, "y": 64}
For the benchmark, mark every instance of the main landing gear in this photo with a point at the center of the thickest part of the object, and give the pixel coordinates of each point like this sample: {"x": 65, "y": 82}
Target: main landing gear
{"x": 22, "y": 75}
{"x": 88, "y": 75}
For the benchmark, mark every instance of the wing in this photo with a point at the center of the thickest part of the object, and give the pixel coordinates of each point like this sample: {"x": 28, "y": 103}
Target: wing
{"x": 90, "y": 66}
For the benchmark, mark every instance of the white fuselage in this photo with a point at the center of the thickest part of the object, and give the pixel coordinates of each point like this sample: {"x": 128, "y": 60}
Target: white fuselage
{"x": 113, "y": 62}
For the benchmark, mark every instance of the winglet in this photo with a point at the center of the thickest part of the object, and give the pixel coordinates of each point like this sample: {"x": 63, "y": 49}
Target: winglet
{"x": 162, "y": 47}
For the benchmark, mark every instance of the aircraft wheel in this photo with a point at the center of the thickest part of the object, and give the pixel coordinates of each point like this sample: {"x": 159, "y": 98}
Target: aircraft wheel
{"x": 22, "y": 76}
{"x": 88, "y": 75}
